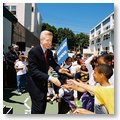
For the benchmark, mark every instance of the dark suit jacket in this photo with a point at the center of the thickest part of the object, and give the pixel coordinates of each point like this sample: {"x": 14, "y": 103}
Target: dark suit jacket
{"x": 38, "y": 67}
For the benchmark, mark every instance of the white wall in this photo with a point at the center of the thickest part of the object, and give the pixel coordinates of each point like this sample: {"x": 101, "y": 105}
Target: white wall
{"x": 28, "y": 10}
{"x": 35, "y": 21}
{"x": 20, "y": 12}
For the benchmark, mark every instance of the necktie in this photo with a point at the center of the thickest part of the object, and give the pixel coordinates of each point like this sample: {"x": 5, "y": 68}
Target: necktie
{"x": 45, "y": 55}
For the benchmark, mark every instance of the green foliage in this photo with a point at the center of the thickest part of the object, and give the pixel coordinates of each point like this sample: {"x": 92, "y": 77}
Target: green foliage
{"x": 66, "y": 33}
{"x": 82, "y": 41}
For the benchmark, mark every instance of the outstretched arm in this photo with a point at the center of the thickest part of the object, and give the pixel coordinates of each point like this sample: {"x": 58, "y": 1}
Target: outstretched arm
{"x": 79, "y": 86}
{"x": 82, "y": 111}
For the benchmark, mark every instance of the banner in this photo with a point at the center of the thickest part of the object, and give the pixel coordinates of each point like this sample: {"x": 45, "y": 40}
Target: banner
{"x": 62, "y": 52}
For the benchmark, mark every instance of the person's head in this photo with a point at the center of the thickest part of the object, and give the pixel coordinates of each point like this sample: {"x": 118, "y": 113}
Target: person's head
{"x": 78, "y": 56}
{"x": 46, "y": 38}
{"x": 22, "y": 57}
{"x": 105, "y": 59}
{"x": 83, "y": 66}
{"x": 10, "y": 48}
{"x": 102, "y": 72}
{"x": 16, "y": 47}
{"x": 68, "y": 61}
{"x": 32, "y": 46}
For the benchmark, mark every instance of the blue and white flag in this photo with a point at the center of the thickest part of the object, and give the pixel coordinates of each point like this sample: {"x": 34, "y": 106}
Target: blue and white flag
{"x": 62, "y": 52}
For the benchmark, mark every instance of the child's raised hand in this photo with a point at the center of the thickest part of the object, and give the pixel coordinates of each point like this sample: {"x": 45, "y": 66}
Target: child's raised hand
{"x": 96, "y": 53}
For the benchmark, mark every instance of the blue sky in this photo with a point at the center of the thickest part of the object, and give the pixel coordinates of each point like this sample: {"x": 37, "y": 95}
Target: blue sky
{"x": 79, "y": 17}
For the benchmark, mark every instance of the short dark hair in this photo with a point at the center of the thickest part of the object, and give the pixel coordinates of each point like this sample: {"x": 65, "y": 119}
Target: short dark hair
{"x": 9, "y": 47}
{"x": 79, "y": 55}
{"x": 68, "y": 58}
{"x": 105, "y": 69}
{"x": 107, "y": 57}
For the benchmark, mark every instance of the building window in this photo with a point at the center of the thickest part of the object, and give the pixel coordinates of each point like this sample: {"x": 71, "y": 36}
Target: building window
{"x": 106, "y": 36}
{"x": 98, "y": 40}
{"x": 13, "y": 10}
{"x": 92, "y": 42}
{"x": 106, "y": 21}
{"x": 98, "y": 27}
{"x": 108, "y": 27}
{"x": 92, "y": 31}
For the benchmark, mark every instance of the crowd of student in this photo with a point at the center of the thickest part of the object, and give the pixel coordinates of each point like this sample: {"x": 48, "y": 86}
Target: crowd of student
{"x": 88, "y": 87}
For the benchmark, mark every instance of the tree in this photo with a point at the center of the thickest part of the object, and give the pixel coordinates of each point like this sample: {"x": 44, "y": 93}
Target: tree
{"x": 66, "y": 33}
{"x": 82, "y": 41}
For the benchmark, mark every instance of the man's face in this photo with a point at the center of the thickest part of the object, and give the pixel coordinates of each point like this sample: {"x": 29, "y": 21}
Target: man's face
{"x": 47, "y": 41}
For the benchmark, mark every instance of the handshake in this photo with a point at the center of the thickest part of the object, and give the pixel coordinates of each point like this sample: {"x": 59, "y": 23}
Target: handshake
{"x": 55, "y": 80}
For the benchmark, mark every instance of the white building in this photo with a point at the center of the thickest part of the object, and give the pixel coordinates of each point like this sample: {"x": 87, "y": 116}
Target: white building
{"x": 27, "y": 14}
{"x": 102, "y": 35}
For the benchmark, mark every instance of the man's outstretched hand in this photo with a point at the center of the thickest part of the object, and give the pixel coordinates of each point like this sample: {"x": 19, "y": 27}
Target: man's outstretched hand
{"x": 55, "y": 81}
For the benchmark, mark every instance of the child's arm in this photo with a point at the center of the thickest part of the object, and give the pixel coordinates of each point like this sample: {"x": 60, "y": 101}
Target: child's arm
{"x": 74, "y": 85}
{"x": 87, "y": 87}
{"x": 82, "y": 111}
{"x": 84, "y": 72}
{"x": 79, "y": 86}
{"x": 87, "y": 62}
{"x": 16, "y": 68}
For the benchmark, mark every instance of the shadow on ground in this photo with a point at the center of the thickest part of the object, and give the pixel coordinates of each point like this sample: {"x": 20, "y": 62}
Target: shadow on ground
{"x": 8, "y": 93}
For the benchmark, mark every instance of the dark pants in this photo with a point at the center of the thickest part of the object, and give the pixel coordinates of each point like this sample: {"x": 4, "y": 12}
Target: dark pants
{"x": 11, "y": 77}
{"x": 38, "y": 98}
{"x": 63, "y": 107}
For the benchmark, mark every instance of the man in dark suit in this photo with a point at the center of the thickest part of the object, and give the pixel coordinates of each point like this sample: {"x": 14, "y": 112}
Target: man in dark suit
{"x": 38, "y": 65}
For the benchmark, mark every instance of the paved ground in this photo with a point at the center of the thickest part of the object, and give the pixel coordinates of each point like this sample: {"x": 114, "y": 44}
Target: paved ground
{"x": 22, "y": 104}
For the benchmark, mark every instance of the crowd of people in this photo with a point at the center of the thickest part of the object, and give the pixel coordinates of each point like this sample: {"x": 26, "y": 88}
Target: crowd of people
{"x": 79, "y": 85}
{"x": 15, "y": 69}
